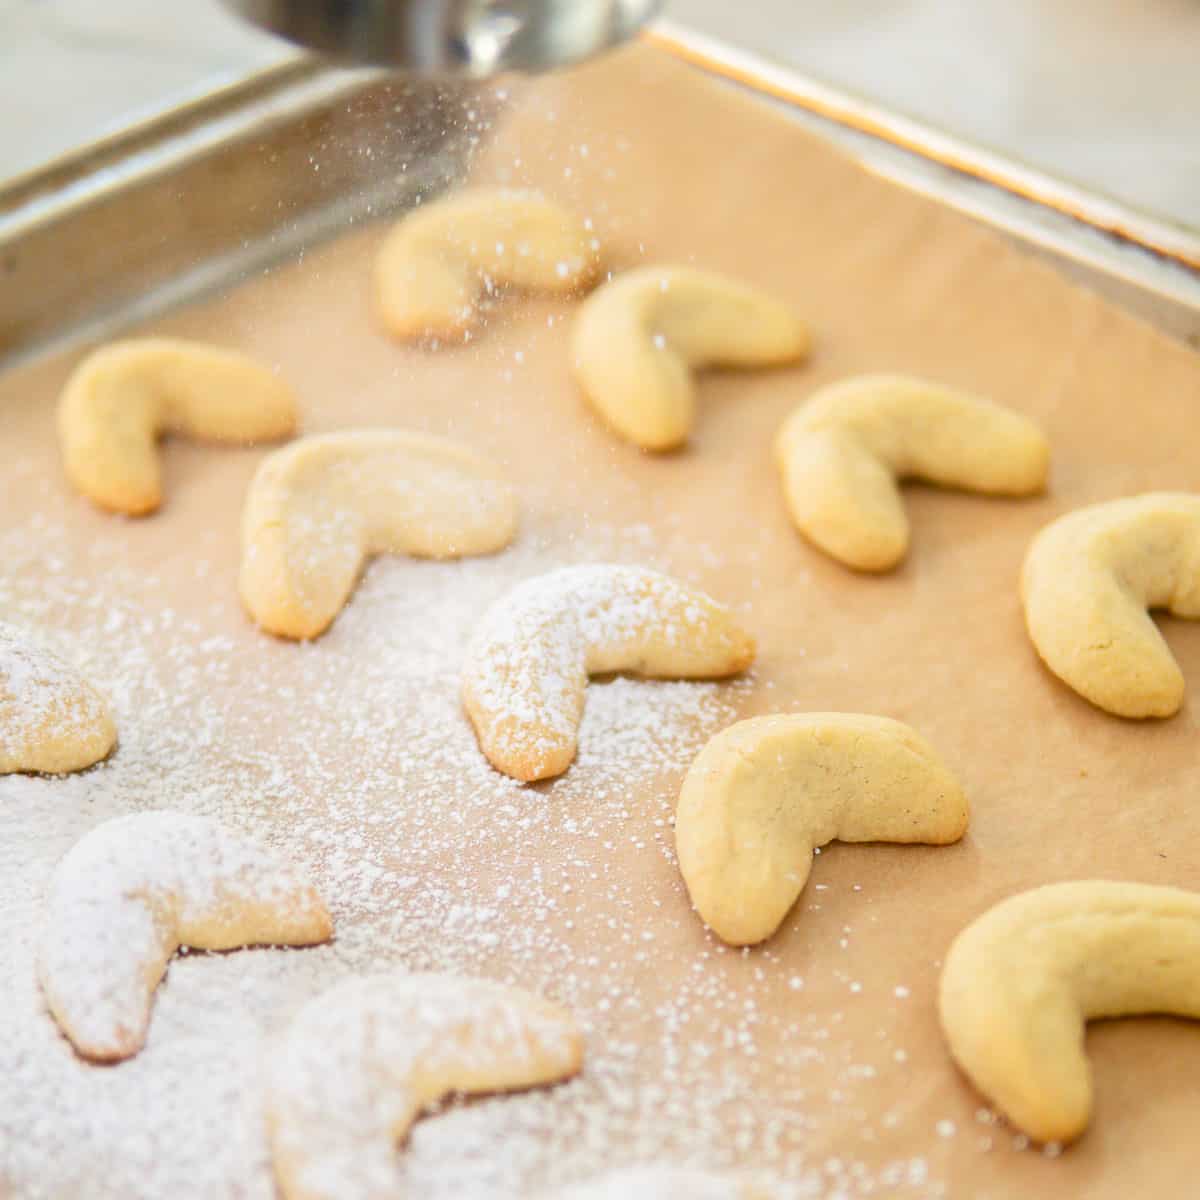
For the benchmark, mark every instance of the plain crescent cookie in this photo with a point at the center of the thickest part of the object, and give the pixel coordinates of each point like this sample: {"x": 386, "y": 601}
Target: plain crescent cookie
{"x": 442, "y": 259}
{"x": 527, "y": 666}
{"x": 842, "y": 453}
{"x": 1021, "y": 980}
{"x": 51, "y": 719}
{"x": 763, "y": 794}
{"x": 318, "y": 509}
{"x": 1087, "y": 583}
{"x": 638, "y": 339}
{"x": 123, "y": 397}
{"x": 135, "y": 889}
{"x": 359, "y": 1064}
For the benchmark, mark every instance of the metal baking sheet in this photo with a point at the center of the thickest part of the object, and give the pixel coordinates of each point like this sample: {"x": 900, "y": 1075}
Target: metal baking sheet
{"x": 816, "y": 1056}
{"x": 226, "y": 186}
{"x": 215, "y": 191}
{"x": 1130, "y": 254}
{"x": 1088, "y": 104}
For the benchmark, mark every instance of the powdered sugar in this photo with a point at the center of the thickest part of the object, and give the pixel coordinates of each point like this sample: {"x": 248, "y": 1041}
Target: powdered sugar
{"x": 51, "y": 718}
{"x": 130, "y": 891}
{"x": 352, "y": 756}
{"x": 528, "y": 664}
{"x": 359, "y": 1063}
{"x": 659, "y": 1183}
{"x": 320, "y": 506}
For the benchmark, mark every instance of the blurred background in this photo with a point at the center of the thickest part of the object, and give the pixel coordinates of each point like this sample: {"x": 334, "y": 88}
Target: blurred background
{"x": 1101, "y": 93}
{"x": 1068, "y": 124}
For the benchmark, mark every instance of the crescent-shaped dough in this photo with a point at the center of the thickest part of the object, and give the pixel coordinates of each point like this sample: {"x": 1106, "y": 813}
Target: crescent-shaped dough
{"x": 527, "y": 667}
{"x": 123, "y": 397}
{"x": 318, "y": 509}
{"x": 638, "y": 338}
{"x": 359, "y": 1063}
{"x": 131, "y": 892}
{"x": 764, "y": 793}
{"x": 51, "y": 719}
{"x": 842, "y": 452}
{"x": 1087, "y": 583}
{"x": 443, "y": 257}
{"x": 1020, "y": 981}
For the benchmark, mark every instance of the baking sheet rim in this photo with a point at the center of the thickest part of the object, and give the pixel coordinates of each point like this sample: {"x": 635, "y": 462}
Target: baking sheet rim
{"x": 783, "y": 83}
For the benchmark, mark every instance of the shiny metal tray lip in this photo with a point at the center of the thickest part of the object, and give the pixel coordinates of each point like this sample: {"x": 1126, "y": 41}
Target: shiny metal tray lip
{"x": 1160, "y": 235}
{"x": 61, "y": 280}
{"x": 54, "y": 177}
{"x": 71, "y": 192}
{"x": 157, "y": 142}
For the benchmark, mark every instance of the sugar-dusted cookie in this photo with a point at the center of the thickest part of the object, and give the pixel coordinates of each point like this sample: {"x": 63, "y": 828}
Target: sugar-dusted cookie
{"x": 124, "y": 396}
{"x": 842, "y": 452}
{"x": 442, "y": 258}
{"x": 764, "y": 793}
{"x": 638, "y": 338}
{"x": 528, "y": 665}
{"x": 359, "y": 1064}
{"x": 1021, "y": 980}
{"x": 51, "y": 719}
{"x": 1087, "y": 583}
{"x": 319, "y": 508}
{"x": 131, "y": 892}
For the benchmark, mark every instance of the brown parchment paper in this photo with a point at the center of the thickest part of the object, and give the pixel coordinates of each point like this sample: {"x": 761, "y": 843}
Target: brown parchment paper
{"x": 673, "y": 167}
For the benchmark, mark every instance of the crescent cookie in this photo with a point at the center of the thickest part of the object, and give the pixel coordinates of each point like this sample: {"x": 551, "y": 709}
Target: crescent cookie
{"x": 131, "y": 892}
{"x": 763, "y": 794}
{"x": 843, "y": 451}
{"x": 51, "y": 719}
{"x": 123, "y": 397}
{"x": 360, "y": 1063}
{"x": 1087, "y": 583}
{"x": 441, "y": 259}
{"x": 528, "y": 665}
{"x": 638, "y": 339}
{"x": 1021, "y": 980}
{"x": 318, "y": 509}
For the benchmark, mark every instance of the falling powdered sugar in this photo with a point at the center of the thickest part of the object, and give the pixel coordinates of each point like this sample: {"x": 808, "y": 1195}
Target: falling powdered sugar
{"x": 352, "y": 755}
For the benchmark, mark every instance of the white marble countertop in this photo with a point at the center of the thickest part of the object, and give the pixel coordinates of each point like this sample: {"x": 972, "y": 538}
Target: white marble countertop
{"x": 73, "y": 71}
{"x": 1102, "y": 93}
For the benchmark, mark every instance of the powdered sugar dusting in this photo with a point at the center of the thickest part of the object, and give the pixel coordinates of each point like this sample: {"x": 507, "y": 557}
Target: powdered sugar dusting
{"x": 351, "y": 755}
{"x": 527, "y": 666}
{"x": 50, "y": 716}
{"x": 359, "y": 1063}
{"x": 131, "y": 891}
{"x": 658, "y": 1183}
{"x": 323, "y": 503}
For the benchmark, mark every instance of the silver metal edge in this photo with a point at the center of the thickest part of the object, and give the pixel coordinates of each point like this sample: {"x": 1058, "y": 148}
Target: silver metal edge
{"x": 1168, "y": 238}
{"x": 1077, "y": 238}
{"x": 64, "y": 273}
{"x": 150, "y": 126}
{"x": 37, "y": 214}
{"x": 158, "y": 146}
